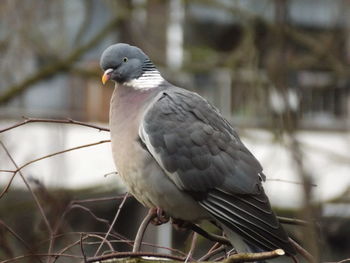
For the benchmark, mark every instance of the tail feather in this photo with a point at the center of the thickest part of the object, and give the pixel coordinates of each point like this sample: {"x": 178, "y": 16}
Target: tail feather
{"x": 249, "y": 216}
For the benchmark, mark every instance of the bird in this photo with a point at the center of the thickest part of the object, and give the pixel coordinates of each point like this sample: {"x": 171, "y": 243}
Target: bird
{"x": 177, "y": 153}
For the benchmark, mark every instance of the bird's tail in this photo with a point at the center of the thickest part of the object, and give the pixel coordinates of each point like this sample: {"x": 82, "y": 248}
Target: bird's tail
{"x": 239, "y": 244}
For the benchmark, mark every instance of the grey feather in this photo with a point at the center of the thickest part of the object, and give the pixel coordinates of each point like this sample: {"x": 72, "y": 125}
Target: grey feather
{"x": 175, "y": 151}
{"x": 202, "y": 131}
{"x": 207, "y": 159}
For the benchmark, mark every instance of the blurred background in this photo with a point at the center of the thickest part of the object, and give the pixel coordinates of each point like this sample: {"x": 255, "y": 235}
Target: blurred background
{"x": 278, "y": 70}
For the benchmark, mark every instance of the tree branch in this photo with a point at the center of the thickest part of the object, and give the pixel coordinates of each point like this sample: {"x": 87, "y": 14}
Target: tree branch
{"x": 59, "y": 66}
{"x": 133, "y": 255}
{"x": 45, "y": 157}
{"x": 303, "y": 252}
{"x": 113, "y": 223}
{"x": 141, "y": 231}
{"x": 49, "y": 228}
{"x": 251, "y": 257}
{"x": 65, "y": 121}
{"x": 208, "y": 235}
{"x": 292, "y": 221}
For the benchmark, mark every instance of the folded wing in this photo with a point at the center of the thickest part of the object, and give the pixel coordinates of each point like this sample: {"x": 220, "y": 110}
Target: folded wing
{"x": 202, "y": 154}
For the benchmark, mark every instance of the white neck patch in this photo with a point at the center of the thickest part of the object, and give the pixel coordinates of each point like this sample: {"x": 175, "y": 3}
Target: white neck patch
{"x": 148, "y": 80}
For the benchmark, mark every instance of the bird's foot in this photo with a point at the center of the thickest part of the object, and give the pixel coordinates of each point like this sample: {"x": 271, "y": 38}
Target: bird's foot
{"x": 180, "y": 224}
{"x": 159, "y": 216}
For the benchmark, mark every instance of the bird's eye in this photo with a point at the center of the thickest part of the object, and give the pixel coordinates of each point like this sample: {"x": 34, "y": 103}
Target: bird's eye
{"x": 125, "y": 59}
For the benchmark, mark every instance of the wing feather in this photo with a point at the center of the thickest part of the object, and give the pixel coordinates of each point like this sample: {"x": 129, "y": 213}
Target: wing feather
{"x": 202, "y": 154}
{"x": 192, "y": 142}
{"x": 260, "y": 225}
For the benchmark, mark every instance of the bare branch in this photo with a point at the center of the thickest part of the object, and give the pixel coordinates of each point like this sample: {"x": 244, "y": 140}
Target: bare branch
{"x": 193, "y": 246}
{"x": 60, "y": 65}
{"x": 112, "y": 225}
{"x": 133, "y": 255}
{"x": 212, "y": 253}
{"x": 66, "y": 121}
{"x": 208, "y": 235}
{"x": 309, "y": 258}
{"x": 28, "y": 187}
{"x": 292, "y": 221}
{"x": 288, "y": 181}
{"x": 76, "y": 206}
{"x": 242, "y": 257}
{"x": 9, "y": 229}
{"x": 251, "y": 257}
{"x": 40, "y": 255}
{"x": 141, "y": 231}
{"x": 82, "y": 247}
{"x": 100, "y": 199}
{"x": 69, "y": 246}
{"x": 45, "y": 157}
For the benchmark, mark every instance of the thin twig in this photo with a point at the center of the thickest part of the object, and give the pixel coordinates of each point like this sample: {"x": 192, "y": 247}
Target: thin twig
{"x": 101, "y": 237}
{"x": 102, "y": 220}
{"x": 99, "y": 199}
{"x": 302, "y": 251}
{"x": 40, "y": 255}
{"x": 141, "y": 231}
{"x": 9, "y": 229}
{"x": 292, "y": 221}
{"x": 80, "y": 241}
{"x": 82, "y": 247}
{"x": 288, "y": 181}
{"x": 251, "y": 257}
{"x": 68, "y": 247}
{"x": 69, "y": 208}
{"x": 6, "y": 171}
{"x": 193, "y": 246}
{"x": 45, "y": 157}
{"x": 207, "y": 235}
{"x": 49, "y": 228}
{"x": 64, "y": 121}
{"x": 212, "y": 253}
{"x": 120, "y": 239}
{"x": 112, "y": 225}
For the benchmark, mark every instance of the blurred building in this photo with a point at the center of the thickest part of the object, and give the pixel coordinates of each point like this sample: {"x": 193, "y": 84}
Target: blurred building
{"x": 227, "y": 50}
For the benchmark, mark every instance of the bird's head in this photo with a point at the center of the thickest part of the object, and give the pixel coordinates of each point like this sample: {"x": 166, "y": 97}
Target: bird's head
{"x": 122, "y": 63}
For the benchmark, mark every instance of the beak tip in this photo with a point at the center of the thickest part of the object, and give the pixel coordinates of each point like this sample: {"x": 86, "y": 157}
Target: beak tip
{"x": 106, "y": 76}
{"x": 104, "y": 79}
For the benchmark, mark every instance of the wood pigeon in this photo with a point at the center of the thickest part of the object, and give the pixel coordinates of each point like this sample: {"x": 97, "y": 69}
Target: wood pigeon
{"x": 177, "y": 153}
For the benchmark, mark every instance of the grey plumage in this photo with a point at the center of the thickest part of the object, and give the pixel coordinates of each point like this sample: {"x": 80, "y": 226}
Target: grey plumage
{"x": 175, "y": 151}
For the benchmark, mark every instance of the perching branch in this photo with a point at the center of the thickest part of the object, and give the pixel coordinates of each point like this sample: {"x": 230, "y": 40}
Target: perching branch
{"x": 138, "y": 255}
{"x": 251, "y": 257}
{"x": 242, "y": 257}
{"x": 141, "y": 231}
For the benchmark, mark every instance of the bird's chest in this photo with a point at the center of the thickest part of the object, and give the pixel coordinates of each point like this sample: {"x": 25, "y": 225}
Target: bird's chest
{"x": 131, "y": 159}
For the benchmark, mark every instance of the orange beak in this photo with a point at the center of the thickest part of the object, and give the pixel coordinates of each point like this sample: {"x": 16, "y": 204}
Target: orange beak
{"x": 106, "y": 76}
